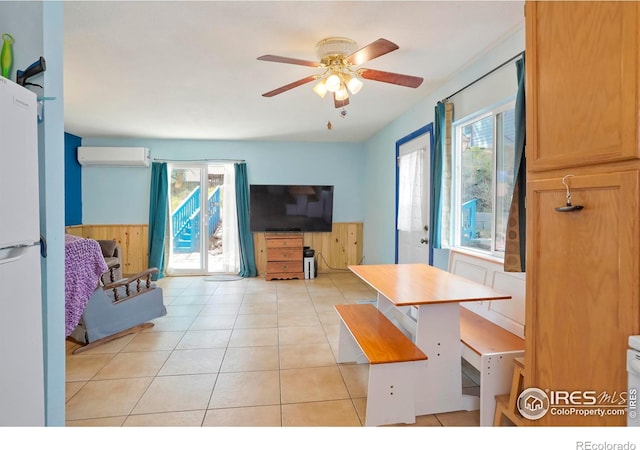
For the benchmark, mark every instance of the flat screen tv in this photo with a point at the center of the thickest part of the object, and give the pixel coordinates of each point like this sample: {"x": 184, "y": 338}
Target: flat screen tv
{"x": 300, "y": 208}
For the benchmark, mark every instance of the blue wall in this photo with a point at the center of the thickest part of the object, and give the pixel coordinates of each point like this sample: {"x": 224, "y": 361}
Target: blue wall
{"x": 72, "y": 181}
{"x": 107, "y": 200}
{"x": 51, "y": 151}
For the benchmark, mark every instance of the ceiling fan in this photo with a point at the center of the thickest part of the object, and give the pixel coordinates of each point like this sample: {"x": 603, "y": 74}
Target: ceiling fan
{"x": 339, "y": 57}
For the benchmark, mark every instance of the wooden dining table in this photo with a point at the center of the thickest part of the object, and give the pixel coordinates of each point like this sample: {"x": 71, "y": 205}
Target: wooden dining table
{"x": 425, "y": 302}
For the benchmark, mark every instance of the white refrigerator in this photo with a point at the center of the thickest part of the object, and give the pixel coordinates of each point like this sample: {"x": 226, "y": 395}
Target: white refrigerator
{"x": 21, "y": 335}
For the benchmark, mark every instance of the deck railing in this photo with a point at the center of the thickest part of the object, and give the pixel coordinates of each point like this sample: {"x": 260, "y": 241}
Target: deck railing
{"x": 185, "y": 220}
{"x": 469, "y": 210}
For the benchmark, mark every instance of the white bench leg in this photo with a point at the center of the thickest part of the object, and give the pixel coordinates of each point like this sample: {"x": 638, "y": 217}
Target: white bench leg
{"x": 496, "y": 375}
{"x": 348, "y": 349}
{"x": 391, "y": 394}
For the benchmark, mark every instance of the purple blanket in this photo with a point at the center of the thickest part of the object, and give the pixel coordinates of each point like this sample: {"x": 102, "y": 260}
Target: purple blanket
{"x": 83, "y": 265}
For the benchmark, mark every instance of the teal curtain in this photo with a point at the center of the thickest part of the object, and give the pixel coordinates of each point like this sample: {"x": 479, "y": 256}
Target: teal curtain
{"x": 521, "y": 165}
{"x": 247, "y": 259}
{"x": 435, "y": 231}
{"x": 158, "y": 216}
{"x": 515, "y": 252}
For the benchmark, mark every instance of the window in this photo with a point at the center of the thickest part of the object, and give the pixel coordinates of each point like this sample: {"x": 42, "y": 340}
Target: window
{"x": 483, "y": 178}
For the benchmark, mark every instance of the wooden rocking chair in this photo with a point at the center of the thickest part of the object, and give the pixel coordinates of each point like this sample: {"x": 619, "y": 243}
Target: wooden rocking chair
{"x": 117, "y": 309}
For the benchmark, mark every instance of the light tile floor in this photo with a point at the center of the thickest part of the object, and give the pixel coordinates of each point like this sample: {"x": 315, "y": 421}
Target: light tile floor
{"x": 232, "y": 353}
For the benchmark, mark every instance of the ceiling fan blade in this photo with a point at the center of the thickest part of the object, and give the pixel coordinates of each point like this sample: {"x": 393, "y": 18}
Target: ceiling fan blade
{"x": 340, "y": 103}
{"x": 390, "y": 77}
{"x": 289, "y": 86}
{"x": 371, "y": 51}
{"x": 284, "y": 59}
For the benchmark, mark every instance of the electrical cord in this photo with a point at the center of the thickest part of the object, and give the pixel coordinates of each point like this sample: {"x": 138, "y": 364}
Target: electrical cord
{"x": 335, "y": 268}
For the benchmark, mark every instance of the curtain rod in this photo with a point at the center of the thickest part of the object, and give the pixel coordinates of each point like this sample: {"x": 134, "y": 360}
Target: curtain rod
{"x": 484, "y": 76}
{"x": 198, "y": 160}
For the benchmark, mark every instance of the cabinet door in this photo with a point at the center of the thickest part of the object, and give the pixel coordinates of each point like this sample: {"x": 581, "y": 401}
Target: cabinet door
{"x": 582, "y": 289}
{"x": 582, "y": 83}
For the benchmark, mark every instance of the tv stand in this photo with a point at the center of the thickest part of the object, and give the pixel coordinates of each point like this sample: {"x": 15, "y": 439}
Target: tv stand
{"x": 284, "y": 256}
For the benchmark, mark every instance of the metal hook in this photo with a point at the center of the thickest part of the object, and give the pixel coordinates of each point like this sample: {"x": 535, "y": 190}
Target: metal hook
{"x": 567, "y": 186}
{"x": 568, "y": 207}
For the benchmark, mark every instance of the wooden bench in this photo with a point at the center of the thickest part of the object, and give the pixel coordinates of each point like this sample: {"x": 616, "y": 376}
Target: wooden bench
{"x": 491, "y": 350}
{"x": 367, "y": 336}
{"x": 491, "y": 333}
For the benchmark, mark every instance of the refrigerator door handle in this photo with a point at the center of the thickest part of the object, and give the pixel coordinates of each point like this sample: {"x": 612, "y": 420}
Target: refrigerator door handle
{"x": 43, "y": 246}
{"x": 11, "y": 254}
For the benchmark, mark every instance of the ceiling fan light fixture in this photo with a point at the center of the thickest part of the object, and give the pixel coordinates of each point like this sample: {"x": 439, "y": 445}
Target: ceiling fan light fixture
{"x": 342, "y": 94}
{"x": 320, "y": 89}
{"x": 354, "y": 84}
{"x": 335, "y": 46}
{"x": 333, "y": 82}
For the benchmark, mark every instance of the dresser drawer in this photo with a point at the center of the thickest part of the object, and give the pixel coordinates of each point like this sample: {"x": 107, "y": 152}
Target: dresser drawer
{"x": 285, "y": 242}
{"x": 284, "y": 266}
{"x": 285, "y": 254}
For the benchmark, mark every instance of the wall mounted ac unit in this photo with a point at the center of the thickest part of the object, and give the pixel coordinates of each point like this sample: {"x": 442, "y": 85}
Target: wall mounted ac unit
{"x": 114, "y": 156}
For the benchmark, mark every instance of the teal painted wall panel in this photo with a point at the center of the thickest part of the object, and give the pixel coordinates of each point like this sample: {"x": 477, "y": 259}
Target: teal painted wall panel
{"x": 72, "y": 181}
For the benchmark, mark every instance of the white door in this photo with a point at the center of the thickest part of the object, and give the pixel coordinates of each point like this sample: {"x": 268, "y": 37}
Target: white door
{"x": 413, "y": 197}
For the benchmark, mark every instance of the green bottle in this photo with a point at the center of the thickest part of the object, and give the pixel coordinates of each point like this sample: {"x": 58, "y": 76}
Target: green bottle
{"x": 6, "y": 56}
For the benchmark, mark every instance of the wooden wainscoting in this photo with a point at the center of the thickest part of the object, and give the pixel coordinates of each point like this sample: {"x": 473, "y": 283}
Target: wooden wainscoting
{"x": 133, "y": 239}
{"x": 333, "y": 251}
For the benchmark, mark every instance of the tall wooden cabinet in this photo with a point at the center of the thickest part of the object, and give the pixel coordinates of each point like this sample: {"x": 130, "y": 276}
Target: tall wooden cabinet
{"x": 583, "y": 267}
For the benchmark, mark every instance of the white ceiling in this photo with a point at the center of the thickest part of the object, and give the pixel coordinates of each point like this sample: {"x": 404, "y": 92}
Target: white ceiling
{"x": 188, "y": 70}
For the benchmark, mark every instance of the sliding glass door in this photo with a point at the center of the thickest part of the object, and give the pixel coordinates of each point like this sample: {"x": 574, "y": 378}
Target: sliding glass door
{"x": 203, "y": 222}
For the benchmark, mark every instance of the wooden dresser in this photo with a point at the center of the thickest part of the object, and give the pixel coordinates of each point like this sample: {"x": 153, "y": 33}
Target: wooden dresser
{"x": 284, "y": 256}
